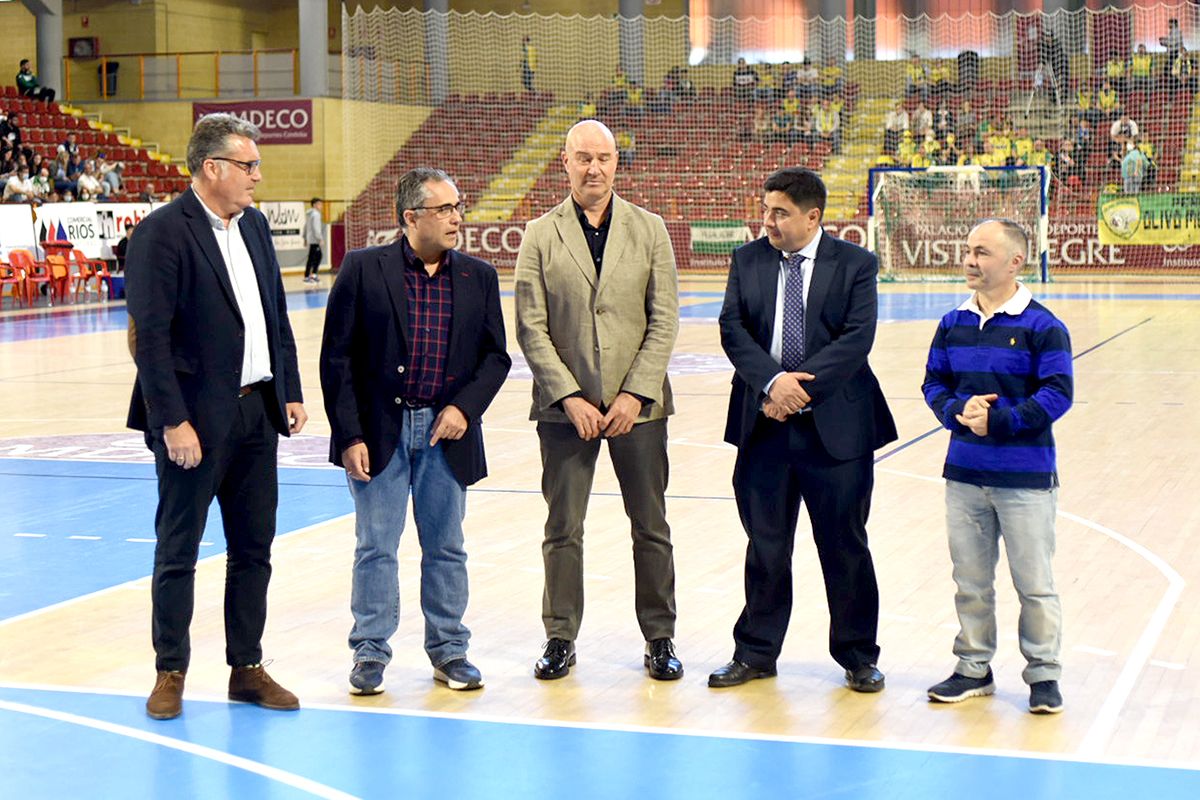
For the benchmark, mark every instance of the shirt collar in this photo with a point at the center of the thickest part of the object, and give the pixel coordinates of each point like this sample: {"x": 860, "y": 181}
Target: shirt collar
{"x": 809, "y": 250}
{"x": 582, "y": 215}
{"x": 1013, "y": 306}
{"x": 413, "y": 261}
{"x": 213, "y": 219}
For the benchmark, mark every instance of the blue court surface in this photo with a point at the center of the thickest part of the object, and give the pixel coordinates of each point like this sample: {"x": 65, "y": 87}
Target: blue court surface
{"x": 103, "y": 746}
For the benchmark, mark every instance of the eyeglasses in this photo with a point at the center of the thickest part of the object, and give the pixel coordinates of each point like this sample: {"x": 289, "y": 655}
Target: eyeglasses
{"x": 443, "y": 211}
{"x": 247, "y": 166}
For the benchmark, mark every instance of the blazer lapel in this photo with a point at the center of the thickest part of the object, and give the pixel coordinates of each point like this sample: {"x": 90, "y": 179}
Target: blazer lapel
{"x": 614, "y": 246}
{"x": 201, "y": 230}
{"x": 766, "y": 272}
{"x": 391, "y": 266}
{"x": 261, "y": 262}
{"x": 571, "y": 233}
{"x": 824, "y": 268}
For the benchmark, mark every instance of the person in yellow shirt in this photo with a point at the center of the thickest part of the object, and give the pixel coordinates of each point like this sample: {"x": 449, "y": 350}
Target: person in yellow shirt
{"x": 1000, "y": 143}
{"x": 1107, "y": 100}
{"x": 921, "y": 161}
{"x": 916, "y": 79}
{"x": 1039, "y": 156}
{"x": 1149, "y": 151}
{"x": 1022, "y": 145}
{"x": 635, "y": 98}
{"x": 833, "y": 79}
{"x": 1141, "y": 70}
{"x": 587, "y": 109}
{"x": 941, "y": 82}
{"x": 791, "y": 103}
{"x": 1114, "y": 72}
{"x": 907, "y": 148}
{"x": 950, "y": 155}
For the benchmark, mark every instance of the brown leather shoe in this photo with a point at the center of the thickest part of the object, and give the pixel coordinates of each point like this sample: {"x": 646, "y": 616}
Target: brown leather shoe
{"x": 254, "y": 685}
{"x": 166, "y": 701}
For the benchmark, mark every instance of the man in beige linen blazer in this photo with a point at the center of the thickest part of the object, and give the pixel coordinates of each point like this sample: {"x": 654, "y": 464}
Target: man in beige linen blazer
{"x": 597, "y": 316}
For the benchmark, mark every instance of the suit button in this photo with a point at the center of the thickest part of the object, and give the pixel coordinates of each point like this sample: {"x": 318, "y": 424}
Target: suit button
{"x": 599, "y": 310}
{"x": 400, "y": 369}
{"x": 399, "y": 401}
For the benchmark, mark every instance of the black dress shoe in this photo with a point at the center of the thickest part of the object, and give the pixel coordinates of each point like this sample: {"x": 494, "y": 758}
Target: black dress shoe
{"x": 865, "y": 679}
{"x": 556, "y": 661}
{"x": 735, "y": 673}
{"x": 661, "y": 662}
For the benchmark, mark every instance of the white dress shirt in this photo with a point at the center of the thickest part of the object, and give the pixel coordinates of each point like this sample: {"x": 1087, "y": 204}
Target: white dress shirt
{"x": 809, "y": 251}
{"x": 256, "y": 353}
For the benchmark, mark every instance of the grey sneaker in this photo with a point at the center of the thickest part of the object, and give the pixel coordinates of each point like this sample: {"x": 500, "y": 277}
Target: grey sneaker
{"x": 367, "y": 677}
{"x": 1045, "y": 698}
{"x": 958, "y": 687}
{"x": 458, "y": 674}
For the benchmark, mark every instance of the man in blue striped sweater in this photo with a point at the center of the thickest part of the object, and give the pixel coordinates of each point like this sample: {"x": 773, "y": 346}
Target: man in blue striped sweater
{"x": 998, "y": 375}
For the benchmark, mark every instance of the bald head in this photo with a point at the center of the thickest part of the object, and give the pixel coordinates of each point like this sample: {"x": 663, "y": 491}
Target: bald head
{"x": 1009, "y": 232}
{"x": 586, "y": 133}
{"x": 590, "y": 158}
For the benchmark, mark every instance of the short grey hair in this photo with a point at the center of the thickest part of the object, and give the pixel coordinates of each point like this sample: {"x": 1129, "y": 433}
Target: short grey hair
{"x": 411, "y": 192}
{"x": 211, "y": 135}
{"x": 1012, "y": 232}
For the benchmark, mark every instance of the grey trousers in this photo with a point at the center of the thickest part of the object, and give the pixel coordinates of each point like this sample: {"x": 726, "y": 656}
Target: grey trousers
{"x": 568, "y": 467}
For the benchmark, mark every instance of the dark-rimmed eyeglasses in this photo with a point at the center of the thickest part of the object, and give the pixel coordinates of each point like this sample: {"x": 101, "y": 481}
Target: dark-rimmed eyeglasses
{"x": 443, "y": 211}
{"x": 247, "y": 167}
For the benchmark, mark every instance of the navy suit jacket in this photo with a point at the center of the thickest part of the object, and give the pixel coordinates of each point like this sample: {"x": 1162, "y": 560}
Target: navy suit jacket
{"x": 848, "y": 407}
{"x": 189, "y": 334}
{"x": 366, "y": 346}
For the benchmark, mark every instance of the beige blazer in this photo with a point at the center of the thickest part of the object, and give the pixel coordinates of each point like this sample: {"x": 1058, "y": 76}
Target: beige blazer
{"x": 598, "y": 336}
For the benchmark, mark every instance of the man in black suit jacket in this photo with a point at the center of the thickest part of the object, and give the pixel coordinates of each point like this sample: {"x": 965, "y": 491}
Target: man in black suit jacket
{"x": 217, "y": 383}
{"x": 805, "y": 413}
{"x": 412, "y": 355}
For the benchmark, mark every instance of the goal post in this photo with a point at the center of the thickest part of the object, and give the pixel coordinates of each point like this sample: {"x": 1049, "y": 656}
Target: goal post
{"x": 918, "y": 218}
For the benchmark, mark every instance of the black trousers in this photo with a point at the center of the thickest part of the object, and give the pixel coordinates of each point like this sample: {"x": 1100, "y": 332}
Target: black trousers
{"x": 568, "y": 466}
{"x": 783, "y": 464}
{"x": 240, "y": 472}
{"x": 43, "y": 93}
{"x": 314, "y": 260}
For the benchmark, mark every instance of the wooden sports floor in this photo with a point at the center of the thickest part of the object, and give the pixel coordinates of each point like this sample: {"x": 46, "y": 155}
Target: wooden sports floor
{"x": 76, "y": 539}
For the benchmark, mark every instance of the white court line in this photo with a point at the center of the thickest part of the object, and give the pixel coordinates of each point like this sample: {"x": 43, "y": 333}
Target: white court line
{"x": 703, "y": 733}
{"x": 1105, "y": 724}
{"x": 135, "y": 583}
{"x": 30, "y": 535}
{"x": 255, "y": 767}
{"x": 82, "y": 538}
{"x": 1154, "y": 662}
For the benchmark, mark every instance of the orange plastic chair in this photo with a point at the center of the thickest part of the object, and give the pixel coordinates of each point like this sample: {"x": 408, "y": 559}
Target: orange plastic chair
{"x": 35, "y": 271}
{"x": 99, "y": 268}
{"x": 84, "y": 272}
{"x": 60, "y": 278}
{"x": 12, "y": 279}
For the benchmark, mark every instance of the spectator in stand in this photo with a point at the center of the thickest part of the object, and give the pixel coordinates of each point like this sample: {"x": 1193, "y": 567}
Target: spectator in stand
{"x": 1133, "y": 168}
{"x": 827, "y": 126}
{"x": 1123, "y": 129}
{"x": 70, "y": 144}
{"x": 1173, "y": 41}
{"x": 916, "y": 79}
{"x": 613, "y": 100}
{"x": 765, "y": 91}
{"x": 787, "y": 78}
{"x": 635, "y": 98}
{"x": 802, "y": 126}
{"x": 1085, "y": 100}
{"x": 1115, "y": 72}
{"x": 1069, "y": 170}
{"x": 12, "y": 132}
{"x": 833, "y": 78}
{"x": 761, "y": 125}
{"x": 783, "y": 125}
{"x": 89, "y": 183}
{"x": 1108, "y": 102}
{"x": 59, "y": 173}
{"x": 28, "y": 86}
{"x": 112, "y": 176}
{"x": 1181, "y": 77}
{"x": 1039, "y": 156}
{"x": 1083, "y": 138}
{"x": 943, "y": 122}
{"x": 1141, "y": 70}
{"x": 931, "y": 148}
{"x": 966, "y": 123}
{"x": 951, "y": 155}
{"x": 8, "y": 160}
{"x": 121, "y": 247}
{"x": 42, "y": 185}
{"x": 626, "y": 146}
{"x": 894, "y": 126}
{"x": 920, "y": 118}
{"x": 74, "y": 170}
{"x": 907, "y": 150}
{"x": 808, "y": 80}
{"x": 148, "y": 195}
{"x": 1022, "y": 146}
{"x": 587, "y": 109}
{"x": 941, "y": 82}
{"x": 1148, "y": 150}
{"x": 745, "y": 79}
{"x": 19, "y": 188}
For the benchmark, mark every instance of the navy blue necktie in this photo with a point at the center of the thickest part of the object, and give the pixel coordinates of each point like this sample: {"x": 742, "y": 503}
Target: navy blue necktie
{"x": 793, "y": 314}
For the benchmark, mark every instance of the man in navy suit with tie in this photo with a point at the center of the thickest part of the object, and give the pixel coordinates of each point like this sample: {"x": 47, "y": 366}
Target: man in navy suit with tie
{"x": 806, "y": 414}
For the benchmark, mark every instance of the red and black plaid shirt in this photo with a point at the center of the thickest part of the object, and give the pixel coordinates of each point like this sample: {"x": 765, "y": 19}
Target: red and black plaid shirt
{"x": 430, "y": 305}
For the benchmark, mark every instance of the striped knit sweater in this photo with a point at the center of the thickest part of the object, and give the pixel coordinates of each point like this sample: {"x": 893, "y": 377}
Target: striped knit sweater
{"x": 1023, "y": 354}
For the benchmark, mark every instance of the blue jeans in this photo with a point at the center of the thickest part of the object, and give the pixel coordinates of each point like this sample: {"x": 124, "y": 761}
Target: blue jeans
{"x": 439, "y": 504}
{"x": 976, "y": 518}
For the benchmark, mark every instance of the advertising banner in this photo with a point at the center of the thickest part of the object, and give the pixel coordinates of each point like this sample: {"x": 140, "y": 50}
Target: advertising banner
{"x": 281, "y": 121}
{"x": 16, "y": 230}
{"x": 91, "y": 227}
{"x": 287, "y": 224}
{"x": 1161, "y": 219}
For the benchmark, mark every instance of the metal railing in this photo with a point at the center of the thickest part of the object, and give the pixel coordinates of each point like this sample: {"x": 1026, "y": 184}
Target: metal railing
{"x": 178, "y": 76}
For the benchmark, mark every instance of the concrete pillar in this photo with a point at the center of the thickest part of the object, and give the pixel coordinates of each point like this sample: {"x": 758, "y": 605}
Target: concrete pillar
{"x": 864, "y": 29}
{"x": 314, "y": 48}
{"x": 631, "y": 38}
{"x": 437, "y": 48}
{"x": 48, "y": 14}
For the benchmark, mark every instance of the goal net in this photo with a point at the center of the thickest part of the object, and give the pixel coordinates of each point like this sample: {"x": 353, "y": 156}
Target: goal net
{"x": 918, "y": 219}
